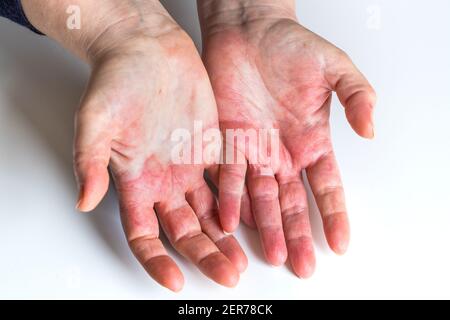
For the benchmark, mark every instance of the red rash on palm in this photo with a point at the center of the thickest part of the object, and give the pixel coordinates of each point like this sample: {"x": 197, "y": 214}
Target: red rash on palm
{"x": 268, "y": 73}
{"x": 273, "y": 73}
{"x": 254, "y": 90}
{"x": 148, "y": 80}
{"x": 141, "y": 92}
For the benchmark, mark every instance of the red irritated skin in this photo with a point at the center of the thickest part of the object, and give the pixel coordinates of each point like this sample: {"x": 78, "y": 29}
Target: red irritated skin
{"x": 268, "y": 71}
{"x": 140, "y": 92}
{"x": 147, "y": 81}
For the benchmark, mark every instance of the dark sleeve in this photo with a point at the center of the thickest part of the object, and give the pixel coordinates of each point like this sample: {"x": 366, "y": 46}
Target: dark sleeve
{"x": 12, "y": 9}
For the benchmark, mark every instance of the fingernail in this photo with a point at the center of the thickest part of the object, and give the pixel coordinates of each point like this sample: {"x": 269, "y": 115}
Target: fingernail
{"x": 370, "y": 131}
{"x": 80, "y": 198}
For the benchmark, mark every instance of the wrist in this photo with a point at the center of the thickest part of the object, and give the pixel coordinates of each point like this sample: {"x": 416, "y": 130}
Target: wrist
{"x": 216, "y": 15}
{"x": 101, "y": 25}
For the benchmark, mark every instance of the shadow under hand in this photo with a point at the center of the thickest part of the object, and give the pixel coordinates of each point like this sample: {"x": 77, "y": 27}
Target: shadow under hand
{"x": 44, "y": 89}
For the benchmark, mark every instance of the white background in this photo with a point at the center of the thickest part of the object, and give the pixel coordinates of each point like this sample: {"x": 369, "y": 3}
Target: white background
{"x": 397, "y": 186}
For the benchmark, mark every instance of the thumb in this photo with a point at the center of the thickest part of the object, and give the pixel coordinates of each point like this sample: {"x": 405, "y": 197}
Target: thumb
{"x": 92, "y": 150}
{"x": 356, "y": 95}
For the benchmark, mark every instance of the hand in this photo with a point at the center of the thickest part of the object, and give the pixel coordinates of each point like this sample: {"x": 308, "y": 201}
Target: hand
{"x": 268, "y": 71}
{"x": 148, "y": 81}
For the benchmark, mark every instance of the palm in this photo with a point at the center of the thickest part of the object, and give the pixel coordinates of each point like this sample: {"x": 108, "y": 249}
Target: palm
{"x": 139, "y": 94}
{"x": 145, "y": 116}
{"x": 276, "y": 85}
{"x": 276, "y": 74}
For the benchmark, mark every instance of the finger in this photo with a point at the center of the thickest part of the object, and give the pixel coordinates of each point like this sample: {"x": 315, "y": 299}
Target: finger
{"x": 263, "y": 189}
{"x": 356, "y": 95}
{"x": 92, "y": 149}
{"x": 184, "y": 232}
{"x": 297, "y": 228}
{"x": 246, "y": 205}
{"x": 326, "y": 185}
{"x": 142, "y": 232}
{"x": 231, "y": 186}
{"x": 204, "y": 205}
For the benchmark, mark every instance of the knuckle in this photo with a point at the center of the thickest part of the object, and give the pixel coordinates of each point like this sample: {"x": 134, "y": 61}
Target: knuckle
{"x": 264, "y": 188}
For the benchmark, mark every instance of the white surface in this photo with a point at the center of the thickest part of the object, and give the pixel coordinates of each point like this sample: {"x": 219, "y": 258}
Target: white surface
{"x": 397, "y": 186}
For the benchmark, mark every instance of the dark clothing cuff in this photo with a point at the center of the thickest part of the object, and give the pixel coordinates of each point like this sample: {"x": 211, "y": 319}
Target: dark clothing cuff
{"x": 12, "y": 9}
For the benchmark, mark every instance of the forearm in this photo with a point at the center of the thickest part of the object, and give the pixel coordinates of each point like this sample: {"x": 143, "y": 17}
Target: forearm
{"x": 101, "y": 22}
{"x": 220, "y": 13}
